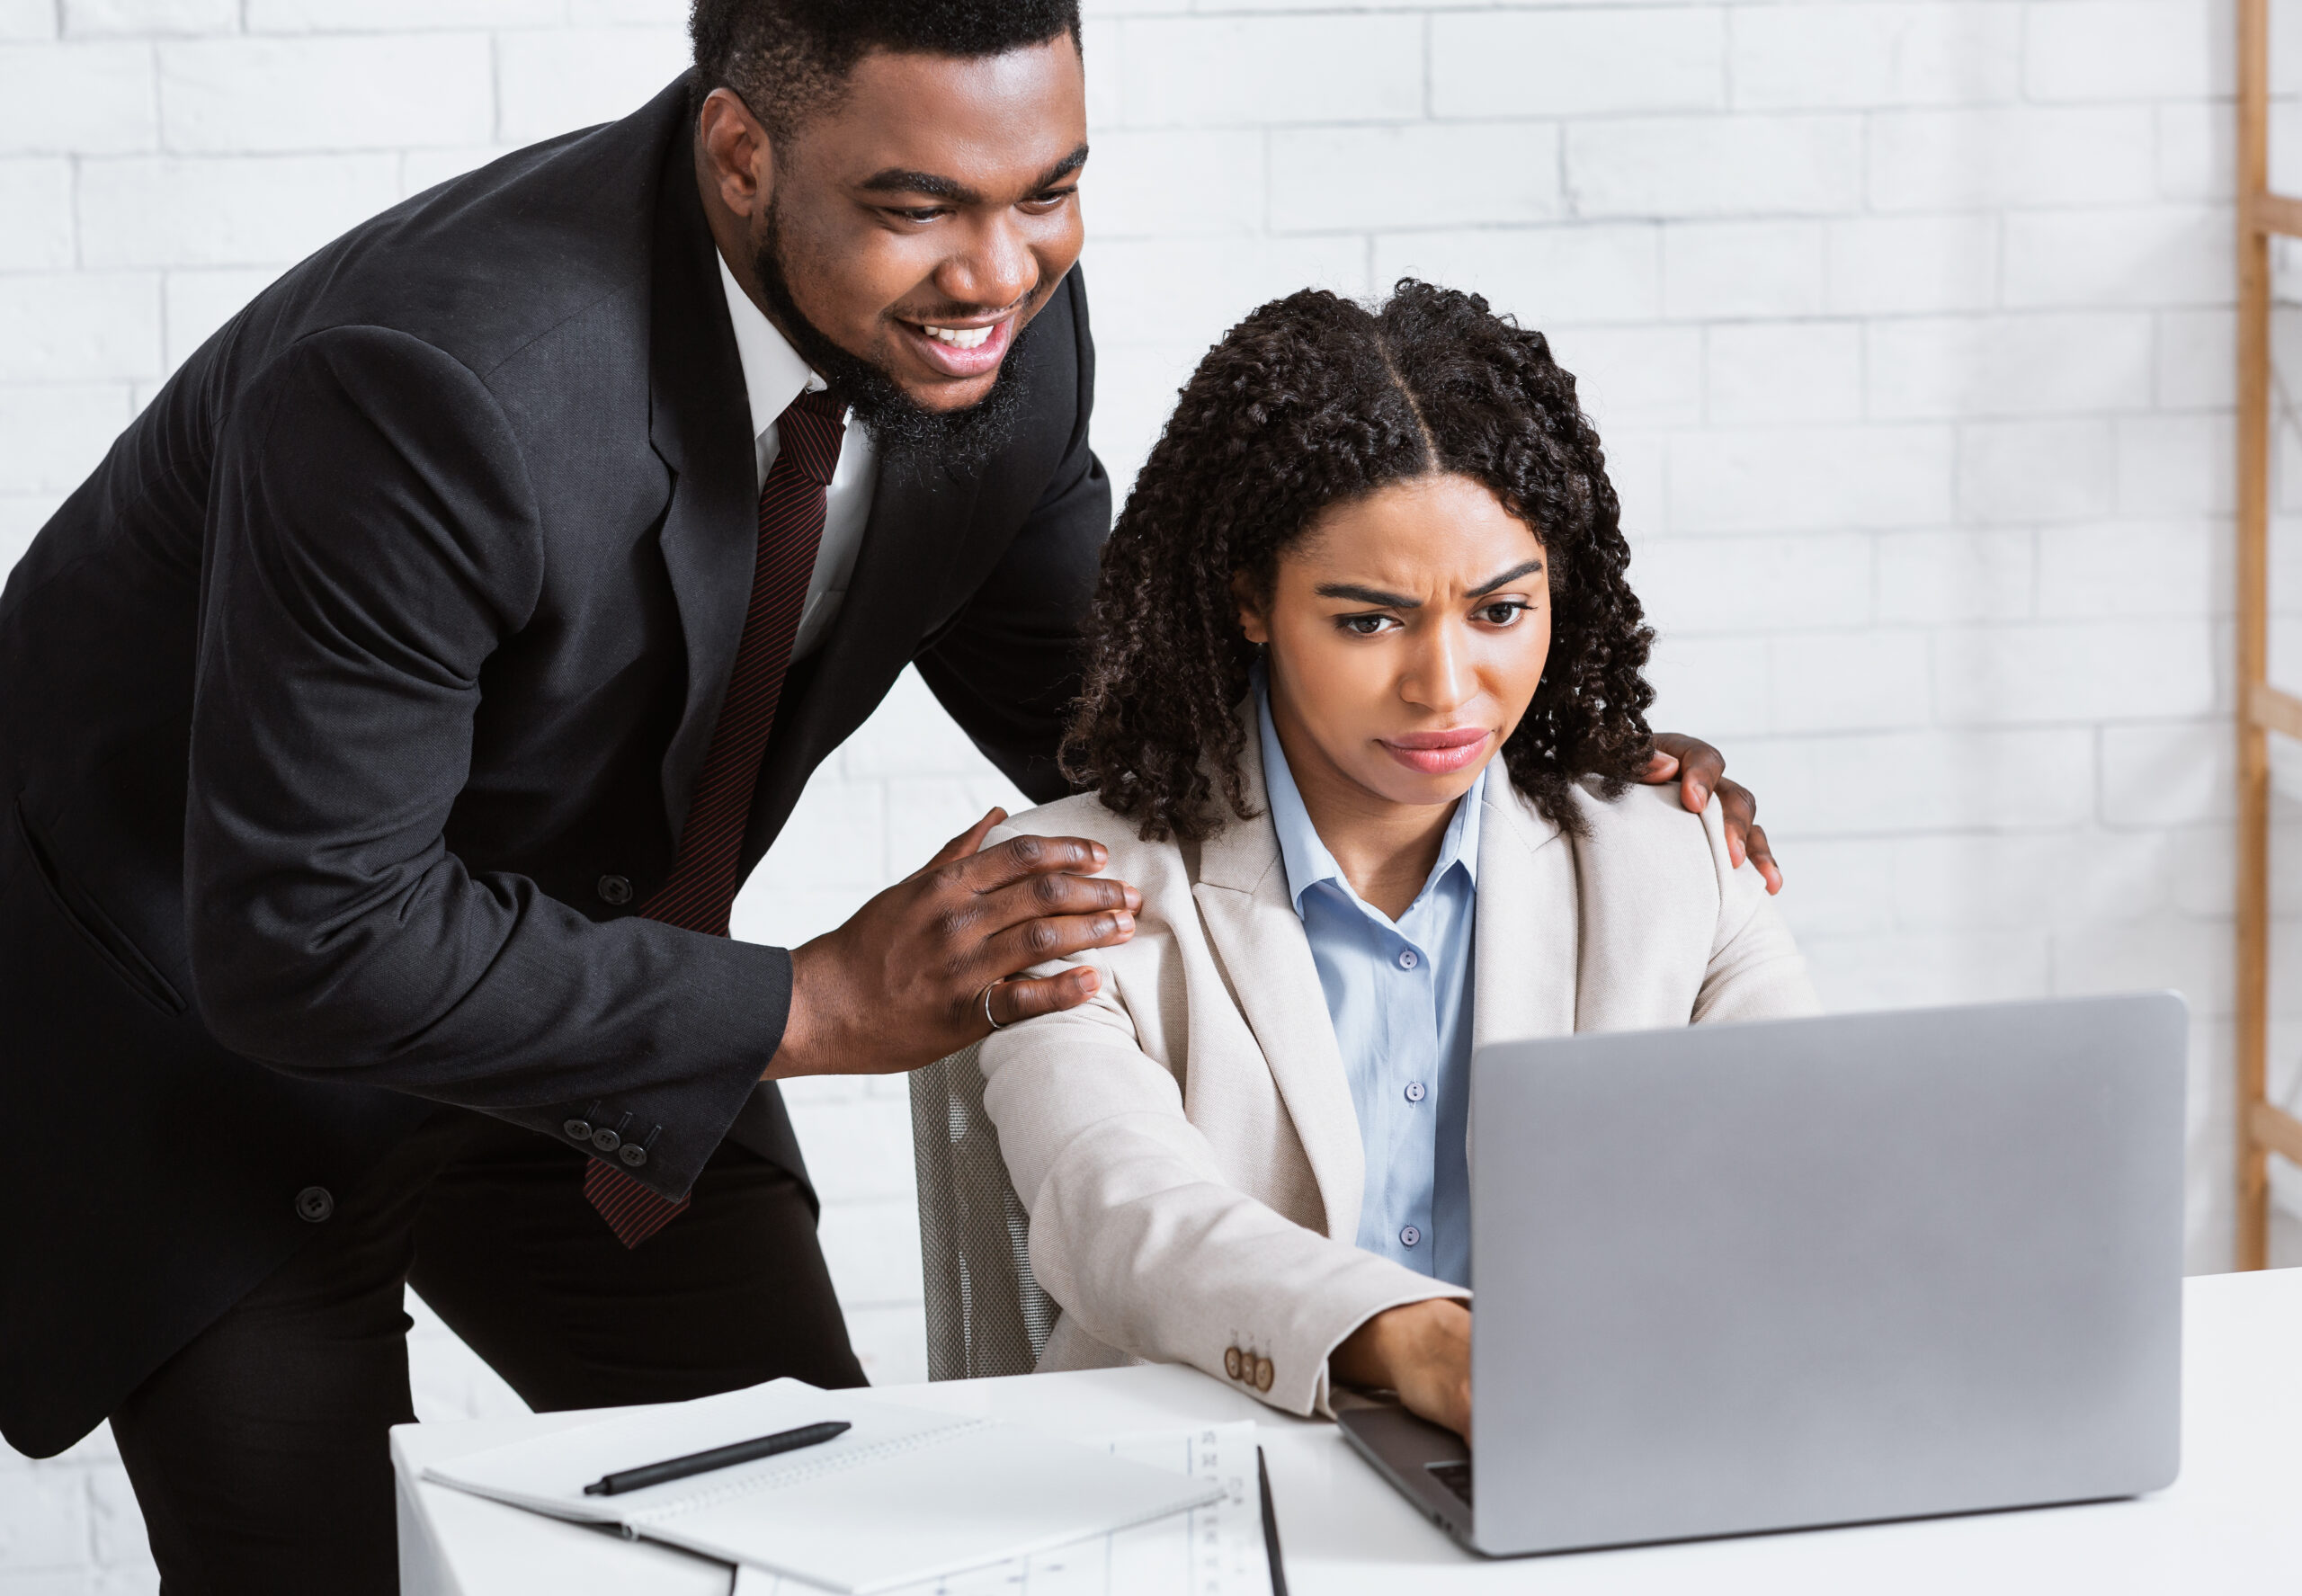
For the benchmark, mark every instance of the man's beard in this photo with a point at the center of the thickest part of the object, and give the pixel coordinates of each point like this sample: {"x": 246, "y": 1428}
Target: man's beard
{"x": 904, "y": 430}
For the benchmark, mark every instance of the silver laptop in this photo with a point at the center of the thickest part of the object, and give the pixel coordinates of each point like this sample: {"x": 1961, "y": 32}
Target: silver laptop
{"x": 1814, "y": 1272}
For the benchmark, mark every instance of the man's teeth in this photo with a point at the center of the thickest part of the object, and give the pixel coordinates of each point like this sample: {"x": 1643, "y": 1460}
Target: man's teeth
{"x": 960, "y": 338}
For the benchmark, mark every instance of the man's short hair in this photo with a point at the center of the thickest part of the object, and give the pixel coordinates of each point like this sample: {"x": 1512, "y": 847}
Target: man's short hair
{"x": 788, "y": 58}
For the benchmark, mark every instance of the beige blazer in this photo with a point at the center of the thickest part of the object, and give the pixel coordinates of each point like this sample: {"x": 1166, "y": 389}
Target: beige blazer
{"x": 1185, "y": 1142}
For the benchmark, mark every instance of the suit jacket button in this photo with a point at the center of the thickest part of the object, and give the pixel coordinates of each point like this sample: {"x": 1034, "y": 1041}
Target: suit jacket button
{"x": 1232, "y": 1361}
{"x": 633, "y": 1154}
{"x": 1263, "y": 1374}
{"x": 314, "y": 1205}
{"x": 606, "y": 1140}
{"x": 615, "y": 889}
{"x": 578, "y": 1130}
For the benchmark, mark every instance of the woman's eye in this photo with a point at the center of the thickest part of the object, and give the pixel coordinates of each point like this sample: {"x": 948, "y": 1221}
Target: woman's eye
{"x": 1504, "y": 613}
{"x": 1362, "y": 626}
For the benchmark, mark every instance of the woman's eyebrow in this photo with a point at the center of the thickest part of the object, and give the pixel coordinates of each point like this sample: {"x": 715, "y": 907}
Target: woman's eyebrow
{"x": 1523, "y": 568}
{"x": 1369, "y": 596}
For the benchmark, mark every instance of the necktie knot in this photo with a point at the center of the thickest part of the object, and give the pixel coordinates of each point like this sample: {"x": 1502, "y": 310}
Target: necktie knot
{"x": 809, "y": 431}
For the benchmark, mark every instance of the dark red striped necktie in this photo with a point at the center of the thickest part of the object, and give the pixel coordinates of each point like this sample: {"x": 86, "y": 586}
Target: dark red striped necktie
{"x": 702, "y": 888}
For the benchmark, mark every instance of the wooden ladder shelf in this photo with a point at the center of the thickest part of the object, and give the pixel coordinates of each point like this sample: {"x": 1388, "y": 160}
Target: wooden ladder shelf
{"x": 2264, "y": 1128}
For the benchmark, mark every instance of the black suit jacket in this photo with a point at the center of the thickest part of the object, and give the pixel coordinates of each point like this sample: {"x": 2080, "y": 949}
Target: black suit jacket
{"x": 398, "y": 621}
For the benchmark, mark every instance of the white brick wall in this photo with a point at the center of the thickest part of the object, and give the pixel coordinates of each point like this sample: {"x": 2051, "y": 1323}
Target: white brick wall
{"x": 1908, "y": 324}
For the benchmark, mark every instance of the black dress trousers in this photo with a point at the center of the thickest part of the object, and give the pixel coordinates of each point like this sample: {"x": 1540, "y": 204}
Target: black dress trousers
{"x": 260, "y": 1453}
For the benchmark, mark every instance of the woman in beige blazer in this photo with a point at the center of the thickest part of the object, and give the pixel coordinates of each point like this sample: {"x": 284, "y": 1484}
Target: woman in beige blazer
{"x": 1378, "y": 548}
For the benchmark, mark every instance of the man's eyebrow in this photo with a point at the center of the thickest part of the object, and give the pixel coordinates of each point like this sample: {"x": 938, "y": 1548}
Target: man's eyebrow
{"x": 1367, "y": 595}
{"x": 901, "y": 179}
{"x": 896, "y": 180}
{"x": 1062, "y": 169}
{"x": 1524, "y": 569}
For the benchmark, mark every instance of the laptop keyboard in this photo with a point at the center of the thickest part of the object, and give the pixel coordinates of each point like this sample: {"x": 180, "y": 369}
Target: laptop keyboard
{"x": 1455, "y": 1477}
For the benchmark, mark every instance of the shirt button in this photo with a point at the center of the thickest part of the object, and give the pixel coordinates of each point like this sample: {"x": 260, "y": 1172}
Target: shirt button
{"x": 615, "y": 889}
{"x": 1415, "y": 1091}
{"x": 1410, "y": 1236}
{"x": 1408, "y": 958}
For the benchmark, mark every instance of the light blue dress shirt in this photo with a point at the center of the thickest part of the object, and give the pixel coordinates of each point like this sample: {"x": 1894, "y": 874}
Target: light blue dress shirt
{"x": 1399, "y": 993}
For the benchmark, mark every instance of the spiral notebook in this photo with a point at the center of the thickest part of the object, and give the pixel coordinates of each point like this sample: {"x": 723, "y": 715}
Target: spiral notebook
{"x": 904, "y": 1496}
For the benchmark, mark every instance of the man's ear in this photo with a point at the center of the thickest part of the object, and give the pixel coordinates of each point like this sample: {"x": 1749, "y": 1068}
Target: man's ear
{"x": 738, "y": 156}
{"x": 1252, "y": 621}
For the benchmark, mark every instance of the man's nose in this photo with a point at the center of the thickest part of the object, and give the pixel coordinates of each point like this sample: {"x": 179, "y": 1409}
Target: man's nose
{"x": 996, "y": 269}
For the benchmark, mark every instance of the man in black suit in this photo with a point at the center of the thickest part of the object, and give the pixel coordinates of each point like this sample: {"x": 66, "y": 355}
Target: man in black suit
{"x": 388, "y": 722}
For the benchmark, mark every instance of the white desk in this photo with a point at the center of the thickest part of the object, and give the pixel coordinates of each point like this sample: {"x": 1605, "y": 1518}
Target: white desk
{"x": 2231, "y": 1524}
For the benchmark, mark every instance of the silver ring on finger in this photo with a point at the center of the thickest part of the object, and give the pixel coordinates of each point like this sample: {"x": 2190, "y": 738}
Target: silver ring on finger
{"x": 984, "y": 998}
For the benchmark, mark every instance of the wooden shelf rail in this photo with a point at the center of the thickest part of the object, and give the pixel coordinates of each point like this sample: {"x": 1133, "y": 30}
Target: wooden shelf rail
{"x": 2262, "y": 1127}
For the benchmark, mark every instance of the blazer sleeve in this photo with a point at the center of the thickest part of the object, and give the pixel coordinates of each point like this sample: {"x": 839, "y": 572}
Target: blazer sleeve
{"x": 1756, "y": 971}
{"x": 1008, "y": 666}
{"x": 372, "y": 538}
{"x": 1137, "y": 1233}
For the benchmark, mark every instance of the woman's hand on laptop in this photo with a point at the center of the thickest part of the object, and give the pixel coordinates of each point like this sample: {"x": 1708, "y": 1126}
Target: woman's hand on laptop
{"x": 1701, "y": 770}
{"x": 1423, "y": 1351}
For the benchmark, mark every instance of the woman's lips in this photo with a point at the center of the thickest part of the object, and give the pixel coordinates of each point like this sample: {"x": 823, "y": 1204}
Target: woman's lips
{"x": 1438, "y": 754}
{"x": 953, "y": 361}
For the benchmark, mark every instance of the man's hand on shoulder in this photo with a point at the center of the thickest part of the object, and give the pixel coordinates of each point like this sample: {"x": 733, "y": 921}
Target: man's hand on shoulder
{"x": 1701, "y": 770}
{"x": 905, "y": 981}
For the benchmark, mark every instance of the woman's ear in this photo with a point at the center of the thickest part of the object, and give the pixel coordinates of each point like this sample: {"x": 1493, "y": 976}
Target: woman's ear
{"x": 1252, "y": 618}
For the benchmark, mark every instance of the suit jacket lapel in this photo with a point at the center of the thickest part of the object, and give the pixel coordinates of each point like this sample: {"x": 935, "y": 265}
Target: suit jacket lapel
{"x": 1256, "y": 934}
{"x": 1526, "y": 944}
{"x": 700, "y": 425}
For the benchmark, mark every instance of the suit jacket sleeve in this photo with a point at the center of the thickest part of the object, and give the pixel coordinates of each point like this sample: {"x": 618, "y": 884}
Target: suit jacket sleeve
{"x": 1008, "y": 667}
{"x": 1756, "y": 971}
{"x": 372, "y": 536}
{"x": 1137, "y": 1232}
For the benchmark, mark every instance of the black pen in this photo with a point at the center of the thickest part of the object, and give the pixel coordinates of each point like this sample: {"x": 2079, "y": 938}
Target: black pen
{"x": 742, "y": 1451}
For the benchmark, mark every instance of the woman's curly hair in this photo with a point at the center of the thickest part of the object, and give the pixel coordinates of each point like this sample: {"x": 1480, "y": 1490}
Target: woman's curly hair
{"x": 1311, "y": 402}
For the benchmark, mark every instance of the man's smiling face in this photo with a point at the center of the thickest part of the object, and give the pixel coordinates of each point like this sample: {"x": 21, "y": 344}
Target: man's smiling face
{"x": 917, "y": 222}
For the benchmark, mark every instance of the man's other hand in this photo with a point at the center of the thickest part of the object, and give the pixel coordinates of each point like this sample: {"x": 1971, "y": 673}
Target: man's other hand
{"x": 1701, "y": 770}
{"x": 903, "y": 982}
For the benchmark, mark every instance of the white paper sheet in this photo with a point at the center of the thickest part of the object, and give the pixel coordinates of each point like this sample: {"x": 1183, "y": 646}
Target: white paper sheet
{"x": 1210, "y": 1551}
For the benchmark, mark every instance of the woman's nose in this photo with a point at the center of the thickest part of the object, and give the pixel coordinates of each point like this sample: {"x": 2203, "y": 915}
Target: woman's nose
{"x": 1439, "y": 678}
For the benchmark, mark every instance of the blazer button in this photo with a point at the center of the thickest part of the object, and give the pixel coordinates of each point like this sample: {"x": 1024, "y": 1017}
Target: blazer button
{"x": 1263, "y": 1374}
{"x": 606, "y": 1140}
{"x": 615, "y": 889}
{"x": 1232, "y": 1361}
{"x": 578, "y": 1130}
{"x": 633, "y": 1154}
{"x": 314, "y": 1205}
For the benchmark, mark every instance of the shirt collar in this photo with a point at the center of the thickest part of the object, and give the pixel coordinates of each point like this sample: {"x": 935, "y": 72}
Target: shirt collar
{"x": 1307, "y": 858}
{"x": 773, "y": 373}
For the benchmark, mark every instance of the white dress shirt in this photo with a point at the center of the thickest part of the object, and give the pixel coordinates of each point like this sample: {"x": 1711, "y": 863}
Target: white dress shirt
{"x": 773, "y": 376}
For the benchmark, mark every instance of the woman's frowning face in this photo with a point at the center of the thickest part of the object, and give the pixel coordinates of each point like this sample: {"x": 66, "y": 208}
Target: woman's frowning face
{"x": 1405, "y": 634}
